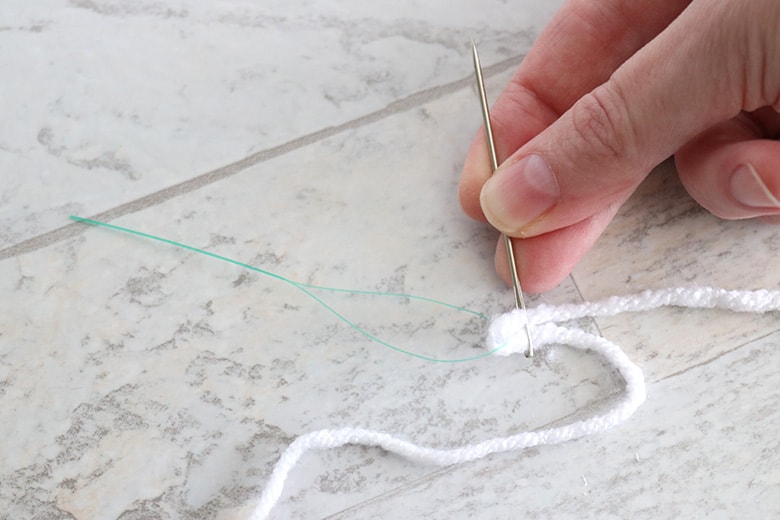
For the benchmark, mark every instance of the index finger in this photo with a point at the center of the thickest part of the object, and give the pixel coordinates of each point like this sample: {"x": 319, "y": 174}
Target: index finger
{"x": 584, "y": 43}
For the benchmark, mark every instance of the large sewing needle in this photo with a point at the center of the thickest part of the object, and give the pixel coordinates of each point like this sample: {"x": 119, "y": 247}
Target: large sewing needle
{"x": 510, "y": 252}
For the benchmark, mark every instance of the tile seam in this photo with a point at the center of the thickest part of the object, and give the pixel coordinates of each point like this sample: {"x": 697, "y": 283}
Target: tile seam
{"x": 158, "y": 197}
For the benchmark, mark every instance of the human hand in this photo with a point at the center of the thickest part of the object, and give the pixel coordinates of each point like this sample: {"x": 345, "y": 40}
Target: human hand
{"x": 609, "y": 90}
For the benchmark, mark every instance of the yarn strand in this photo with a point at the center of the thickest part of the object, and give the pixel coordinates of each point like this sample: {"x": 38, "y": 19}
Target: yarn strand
{"x": 507, "y": 331}
{"x": 506, "y": 335}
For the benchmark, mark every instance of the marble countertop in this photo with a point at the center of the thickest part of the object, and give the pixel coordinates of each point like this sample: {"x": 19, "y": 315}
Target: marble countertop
{"x": 323, "y": 142}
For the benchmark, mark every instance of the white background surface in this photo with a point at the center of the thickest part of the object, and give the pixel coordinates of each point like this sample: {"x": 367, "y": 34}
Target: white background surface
{"x": 323, "y": 141}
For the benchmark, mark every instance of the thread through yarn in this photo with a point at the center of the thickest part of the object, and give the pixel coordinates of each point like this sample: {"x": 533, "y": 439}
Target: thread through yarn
{"x": 307, "y": 289}
{"x": 506, "y": 336}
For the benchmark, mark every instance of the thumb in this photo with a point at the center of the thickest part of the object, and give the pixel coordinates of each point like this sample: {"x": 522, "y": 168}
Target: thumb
{"x": 704, "y": 68}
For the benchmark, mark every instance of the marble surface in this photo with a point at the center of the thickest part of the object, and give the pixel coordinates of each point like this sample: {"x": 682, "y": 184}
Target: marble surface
{"x": 323, "y": 141}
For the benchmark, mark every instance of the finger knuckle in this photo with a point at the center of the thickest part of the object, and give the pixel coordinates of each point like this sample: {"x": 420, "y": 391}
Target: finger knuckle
{"x": 600, "y": 120}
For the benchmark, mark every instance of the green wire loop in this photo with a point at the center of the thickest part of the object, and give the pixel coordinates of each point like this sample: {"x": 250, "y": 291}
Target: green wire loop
{"x": 308, "y": 288}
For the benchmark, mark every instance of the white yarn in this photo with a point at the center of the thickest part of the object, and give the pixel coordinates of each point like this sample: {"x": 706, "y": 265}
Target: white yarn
{"x": 508, "y": 332}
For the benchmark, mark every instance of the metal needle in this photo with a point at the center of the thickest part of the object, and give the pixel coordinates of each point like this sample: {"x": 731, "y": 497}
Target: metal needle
{"x": 510, "y": 252}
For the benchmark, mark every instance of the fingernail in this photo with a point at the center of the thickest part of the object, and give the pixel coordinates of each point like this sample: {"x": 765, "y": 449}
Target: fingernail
{"x": 519, "y": 193}
{"x": 748, "y": 189}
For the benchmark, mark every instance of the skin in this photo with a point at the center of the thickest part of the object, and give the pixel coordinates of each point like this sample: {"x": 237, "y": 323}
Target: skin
{"x": 610, "y": 89}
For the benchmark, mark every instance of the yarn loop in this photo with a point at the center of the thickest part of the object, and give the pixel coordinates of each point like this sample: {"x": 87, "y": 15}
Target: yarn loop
{"x": 506, "y": 335}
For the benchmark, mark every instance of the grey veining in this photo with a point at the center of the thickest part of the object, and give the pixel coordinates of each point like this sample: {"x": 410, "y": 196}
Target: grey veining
{"x": 323, "y": 142}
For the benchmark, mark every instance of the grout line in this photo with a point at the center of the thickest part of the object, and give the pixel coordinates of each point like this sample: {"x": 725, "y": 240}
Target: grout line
{"x": 576, "y": 286}
{"x": 429, "y": 478}
{"x": 717, "y": 357}
{"x": 402, "y": 105}
{"x": 592, "y": 319}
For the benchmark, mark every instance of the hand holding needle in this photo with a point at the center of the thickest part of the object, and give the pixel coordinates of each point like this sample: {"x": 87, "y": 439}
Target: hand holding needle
{"x": 519, "y": 301}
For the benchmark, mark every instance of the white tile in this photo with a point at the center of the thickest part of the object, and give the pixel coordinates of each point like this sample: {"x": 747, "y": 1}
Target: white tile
{"x": 138, "y": 380}
{"x": 661, "y": 238}
{"x": 107, "y": 101}
{"x": 703, "y": 446}
{"x": 141, "y": 349}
